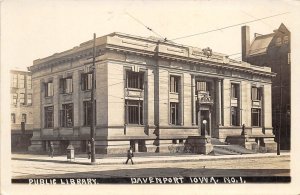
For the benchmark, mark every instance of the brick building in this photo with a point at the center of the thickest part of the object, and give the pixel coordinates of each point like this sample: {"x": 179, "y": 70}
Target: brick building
{"x": 21, "y": 109}
{"x": 149, "y": 94}
{"x": 273, "y": 50}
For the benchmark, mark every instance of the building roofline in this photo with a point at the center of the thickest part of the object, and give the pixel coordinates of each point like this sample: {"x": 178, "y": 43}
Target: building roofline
{"x": 107, "y": 41}
{"x": 19, "y": 71}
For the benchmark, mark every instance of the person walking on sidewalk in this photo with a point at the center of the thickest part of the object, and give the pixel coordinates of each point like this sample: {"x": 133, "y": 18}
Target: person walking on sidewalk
{"x": 51, "y": 149}
{"x": 129, "y": 155}
{"x": 89, "y": 151}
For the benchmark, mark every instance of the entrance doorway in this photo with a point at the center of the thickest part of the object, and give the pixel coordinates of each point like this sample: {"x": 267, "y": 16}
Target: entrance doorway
{"x": 205, "y": 115}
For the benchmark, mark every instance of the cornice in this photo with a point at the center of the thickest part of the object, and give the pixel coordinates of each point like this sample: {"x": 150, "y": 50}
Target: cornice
{"x": 120, "y": 42}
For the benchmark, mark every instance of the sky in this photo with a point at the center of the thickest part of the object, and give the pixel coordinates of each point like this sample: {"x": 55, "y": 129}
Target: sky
{"x": 34, "y": 29}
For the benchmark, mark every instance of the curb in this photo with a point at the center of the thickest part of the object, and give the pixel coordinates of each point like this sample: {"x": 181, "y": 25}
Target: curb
{"x": 233, "y": 157}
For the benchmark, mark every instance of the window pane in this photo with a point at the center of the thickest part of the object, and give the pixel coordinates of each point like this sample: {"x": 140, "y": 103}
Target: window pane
{"x": 234, "y": 116}
{"x": 89, "y": 81}
{"x": 15, "y": 98}
{"x": 29, "y": 85}
{"x": 21, "y": 81}
{"x": 15, "y": 81}
{"x": 256, "y": 117}
{"x": 48, "y": 89}
{"x": 174, "y": 84}
{"x": 256, "y": 93}
{"x": 134, "y": 80}
{"x": 67, "y": 115}
{"x": 22, "y": 98}
{"x": 285, "y": 39}
{"x": 49, "y": 117}
{"x": 87, "y": 113}
{"x": 86, "y": 81}
{"x": 66, "y": 85}
{"x": 259, "y": 93}
{"x": 24, "y": 118}
{"x": 234, "y": 90}
{"x": 69, "y": 86}
{"x": 29, "y": 99}
{"x": 134, "y": 112}
{"x": 278, "y": 41}
{"x": 174, "y": 119}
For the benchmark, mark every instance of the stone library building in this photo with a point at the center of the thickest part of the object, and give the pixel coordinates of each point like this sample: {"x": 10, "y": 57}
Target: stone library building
{"x": 149, "y": 94}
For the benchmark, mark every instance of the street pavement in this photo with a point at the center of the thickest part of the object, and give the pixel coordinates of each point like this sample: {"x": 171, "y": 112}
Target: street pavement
{"x": 141, "y": 158}
{"x": 150, "y": 165}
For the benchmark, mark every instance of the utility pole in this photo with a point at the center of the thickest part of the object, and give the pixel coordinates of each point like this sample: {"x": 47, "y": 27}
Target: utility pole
{"x": 93, "y": 160}
{"x": 280, "y": 111}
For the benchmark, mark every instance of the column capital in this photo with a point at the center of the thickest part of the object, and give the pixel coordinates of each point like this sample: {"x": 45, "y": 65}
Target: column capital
{"x": 220, "y": 79}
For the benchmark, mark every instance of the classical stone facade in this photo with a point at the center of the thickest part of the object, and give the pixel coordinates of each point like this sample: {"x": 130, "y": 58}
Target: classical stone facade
{"x": 149, "y": 94}
{"x": 21, "y": 109}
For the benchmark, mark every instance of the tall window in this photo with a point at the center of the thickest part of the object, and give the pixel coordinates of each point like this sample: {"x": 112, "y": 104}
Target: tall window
{"x": 49, "y": 89}
{"x": 66, "y": 115}
{"x": 66, "y": 85}
{"x": 22, "y": 98}
{"x": 21, "y": 81}
{"x": 15, "y": 80}
{"x": 256, "y": 117}
{"x": 134, "y": 80}
{"x": 29, "y": 98}
{"x": 234, "y": 90}
{"x": 174, "y": 117}
{"x": 14, "y": 98}
{"x": 13, "y": 118}
{"x": 49, "y": 117}
{"x": 87, "y": 113}
{"x": 86, "y": 81}
{"x": 234, "y": 116}
{"x": 174, "y": 84}
{"x": 134, "y": 112}
{"x": 24, "y": 118}
{"x": 29, "y": 84}
{"x": 256, "y": 93}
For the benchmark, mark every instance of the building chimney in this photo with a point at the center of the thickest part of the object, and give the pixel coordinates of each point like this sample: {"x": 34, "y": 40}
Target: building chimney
{"x": 245, "y": 42}
{"x": 257, "y": 35}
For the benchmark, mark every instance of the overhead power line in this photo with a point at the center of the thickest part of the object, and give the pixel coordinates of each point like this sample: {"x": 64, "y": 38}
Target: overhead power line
{"x": 150, "y": 29}
{"x": 257, "y": 18}
{"x": 230, "y": 26}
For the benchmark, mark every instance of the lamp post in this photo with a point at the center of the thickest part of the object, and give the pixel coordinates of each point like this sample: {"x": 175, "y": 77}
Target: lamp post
{"x": 93, "y": 160}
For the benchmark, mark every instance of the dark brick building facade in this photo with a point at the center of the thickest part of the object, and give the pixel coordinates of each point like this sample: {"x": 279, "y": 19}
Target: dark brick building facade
{"x": 21, "y": 109}
{"x": 274, "y": 50}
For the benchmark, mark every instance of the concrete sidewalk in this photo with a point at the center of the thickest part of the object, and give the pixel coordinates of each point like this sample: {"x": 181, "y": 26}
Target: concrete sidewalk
{"x": 142, "y": 158}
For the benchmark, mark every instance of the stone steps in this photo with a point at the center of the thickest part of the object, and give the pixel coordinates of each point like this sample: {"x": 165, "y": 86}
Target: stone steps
{"x": 219, "y": 151}
{"x": 222, "y": 148}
